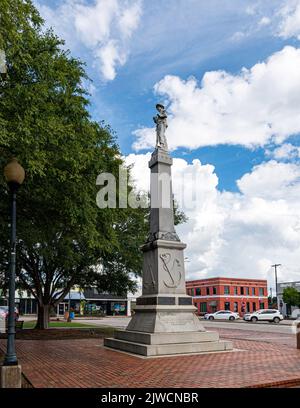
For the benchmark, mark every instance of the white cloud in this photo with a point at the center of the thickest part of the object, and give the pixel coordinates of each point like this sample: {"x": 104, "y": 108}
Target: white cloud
{"x": 272, "y": 180}
{"x": 237, "y": 234}
{"x": 104, "y": 27}
{"x": 251, "y": 10}
{"x": 110, "y": 55}
{"x": 239, "y": 35}
{"x": 264, "y": 21}
{"x": 290, "y": 20}
{"x": 129, "y": 19}
{"x": 252, "y": 108}
{"x": 93, "y": 22}
{"x": 286, "y": 151}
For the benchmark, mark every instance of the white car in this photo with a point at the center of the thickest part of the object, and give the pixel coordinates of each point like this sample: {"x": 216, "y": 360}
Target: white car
{"x": 222, "y": 315}
{"x": 267, "y": 315}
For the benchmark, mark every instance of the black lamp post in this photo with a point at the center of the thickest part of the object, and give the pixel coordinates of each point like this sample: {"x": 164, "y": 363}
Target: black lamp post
{"x": 14, "y": 175}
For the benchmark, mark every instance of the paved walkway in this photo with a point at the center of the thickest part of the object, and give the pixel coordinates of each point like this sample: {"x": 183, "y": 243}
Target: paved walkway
{"x": 262, "y": 359}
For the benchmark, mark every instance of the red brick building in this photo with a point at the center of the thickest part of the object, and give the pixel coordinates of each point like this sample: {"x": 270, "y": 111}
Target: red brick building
{"x": 237, "y": 295}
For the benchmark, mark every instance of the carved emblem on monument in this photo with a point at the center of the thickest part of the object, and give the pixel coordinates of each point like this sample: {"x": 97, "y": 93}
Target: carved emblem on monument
{"x": 173, "y": 269}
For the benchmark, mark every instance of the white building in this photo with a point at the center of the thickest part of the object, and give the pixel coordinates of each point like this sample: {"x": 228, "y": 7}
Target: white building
{"x": 286, "y": 310}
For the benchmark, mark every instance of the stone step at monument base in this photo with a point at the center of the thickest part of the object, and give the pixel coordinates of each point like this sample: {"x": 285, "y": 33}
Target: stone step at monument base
{"x": 170, "y": 348}
{"x": 165, "y": 338}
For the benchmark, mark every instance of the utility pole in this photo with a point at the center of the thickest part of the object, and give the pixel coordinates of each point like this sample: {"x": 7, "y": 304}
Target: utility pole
{"x": 275, "y": 269}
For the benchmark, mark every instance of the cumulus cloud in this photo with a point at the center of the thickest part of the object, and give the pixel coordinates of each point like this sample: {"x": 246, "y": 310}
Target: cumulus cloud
{"x": 104, "y": 27}
{"x": 264, "y": 21}
{"x": 286, "y": 151}
{"x": 290, "y": 20}
{"x": 252, "y": 108}
{"x": 236, "y": 234}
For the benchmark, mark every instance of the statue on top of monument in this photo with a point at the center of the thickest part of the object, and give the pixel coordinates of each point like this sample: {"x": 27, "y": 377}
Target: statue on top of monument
{"x": 161, "y": 125}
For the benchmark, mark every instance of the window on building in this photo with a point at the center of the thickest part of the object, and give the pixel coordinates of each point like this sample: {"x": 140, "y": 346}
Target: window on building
{"x": 254, "y": 306}
{"x": 247, "y": 291}
{"x": 261, "y": 305}
{"x": 227, "y": 305}
{"x": 236, "y": 307}
{"x": 253, "y": 291}
{"x": 236, "y": 290}
{"x": 192, "y": 291}
{"x": 261, "y": 291}
{"x": 214, "y": 290}
{"x": 248, "y": 307}
{"x": 203, "y": 307}
{"x": 198, "y": 292}
{"x": 242, "y": 290}
{"x": 226, "y": 290}
{"x": 207, "y": 290}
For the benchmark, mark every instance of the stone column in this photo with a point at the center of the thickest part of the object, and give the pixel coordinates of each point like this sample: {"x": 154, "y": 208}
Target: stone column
{"x": 164, "y": 305}
{"x": 164, "y": 321}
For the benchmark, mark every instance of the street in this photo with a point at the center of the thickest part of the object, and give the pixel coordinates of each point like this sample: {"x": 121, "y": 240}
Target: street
{"x": 284, "y": 327}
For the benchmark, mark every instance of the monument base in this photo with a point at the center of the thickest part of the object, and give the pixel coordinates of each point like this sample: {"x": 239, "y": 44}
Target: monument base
{"x": 11, "y": 376}
{"x": 158, "y": 330}
{"x": 160, "y": 344}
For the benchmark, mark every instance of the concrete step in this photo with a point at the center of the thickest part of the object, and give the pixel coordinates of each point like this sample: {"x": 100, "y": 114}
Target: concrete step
{"x": 167, "y": 349}
{"x": 166, "y": 338}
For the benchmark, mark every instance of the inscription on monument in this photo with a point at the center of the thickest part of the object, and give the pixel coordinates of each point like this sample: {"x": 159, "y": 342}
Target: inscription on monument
{"x": 149, "y": 281}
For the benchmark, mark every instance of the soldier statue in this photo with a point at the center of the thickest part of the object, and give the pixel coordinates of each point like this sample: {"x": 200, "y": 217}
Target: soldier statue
{"x": 161, "y": 125}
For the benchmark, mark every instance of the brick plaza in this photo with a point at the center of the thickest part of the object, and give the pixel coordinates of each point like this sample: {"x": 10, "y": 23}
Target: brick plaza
{"x": 261, "y": 360}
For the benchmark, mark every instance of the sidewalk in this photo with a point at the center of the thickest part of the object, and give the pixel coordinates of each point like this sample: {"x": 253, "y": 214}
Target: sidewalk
{"x": 259, "y": 361}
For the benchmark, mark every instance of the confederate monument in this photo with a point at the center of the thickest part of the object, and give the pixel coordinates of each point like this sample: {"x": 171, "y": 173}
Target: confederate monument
{"x": 161, "y": 125}
{"x": 164, "y": 322}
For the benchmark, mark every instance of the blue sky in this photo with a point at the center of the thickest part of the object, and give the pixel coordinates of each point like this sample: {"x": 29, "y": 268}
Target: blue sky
{"x": 191, "y": 54}
{"x": 181, "y": 38}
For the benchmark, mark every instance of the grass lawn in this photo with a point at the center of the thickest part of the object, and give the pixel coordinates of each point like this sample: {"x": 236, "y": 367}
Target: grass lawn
{"x": 31, "y": 325}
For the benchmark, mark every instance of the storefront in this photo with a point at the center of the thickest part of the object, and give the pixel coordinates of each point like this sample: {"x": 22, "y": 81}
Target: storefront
{"x": 105, "y": 303}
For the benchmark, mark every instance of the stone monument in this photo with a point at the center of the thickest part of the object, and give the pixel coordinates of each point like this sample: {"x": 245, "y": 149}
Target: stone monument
{"x": 164, "y": 322}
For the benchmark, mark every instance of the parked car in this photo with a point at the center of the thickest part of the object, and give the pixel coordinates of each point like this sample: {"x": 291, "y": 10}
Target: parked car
{"x": 268, "y": 315}
{"x": 4, "y": 312}
{"x": 222, "y": 315}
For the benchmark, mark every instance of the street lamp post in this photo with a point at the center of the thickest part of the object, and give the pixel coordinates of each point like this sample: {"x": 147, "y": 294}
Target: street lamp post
{"x": 14, "y": 175}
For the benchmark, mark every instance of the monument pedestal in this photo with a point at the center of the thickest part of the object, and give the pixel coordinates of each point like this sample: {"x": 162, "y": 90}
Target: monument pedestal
{"x": 160, "y": 344}
{"x": 164, "y": 322}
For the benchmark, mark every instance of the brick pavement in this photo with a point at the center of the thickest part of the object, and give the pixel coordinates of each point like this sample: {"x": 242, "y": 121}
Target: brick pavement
{"x": 263, "y": 359}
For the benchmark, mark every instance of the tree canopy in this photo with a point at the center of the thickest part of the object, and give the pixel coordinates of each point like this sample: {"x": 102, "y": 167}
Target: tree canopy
{"x": 63, "y": 237}
{"x": 291, "y": 296}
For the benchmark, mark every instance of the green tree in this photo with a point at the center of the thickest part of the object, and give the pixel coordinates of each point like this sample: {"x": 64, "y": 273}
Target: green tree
{"x": 291, "y": 296}
{"x": 44, "y": 121}
{"x": 64, "y": 239}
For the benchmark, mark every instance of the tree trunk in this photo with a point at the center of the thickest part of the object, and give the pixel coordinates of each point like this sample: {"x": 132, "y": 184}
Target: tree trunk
{"x": 43, "y": 317}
